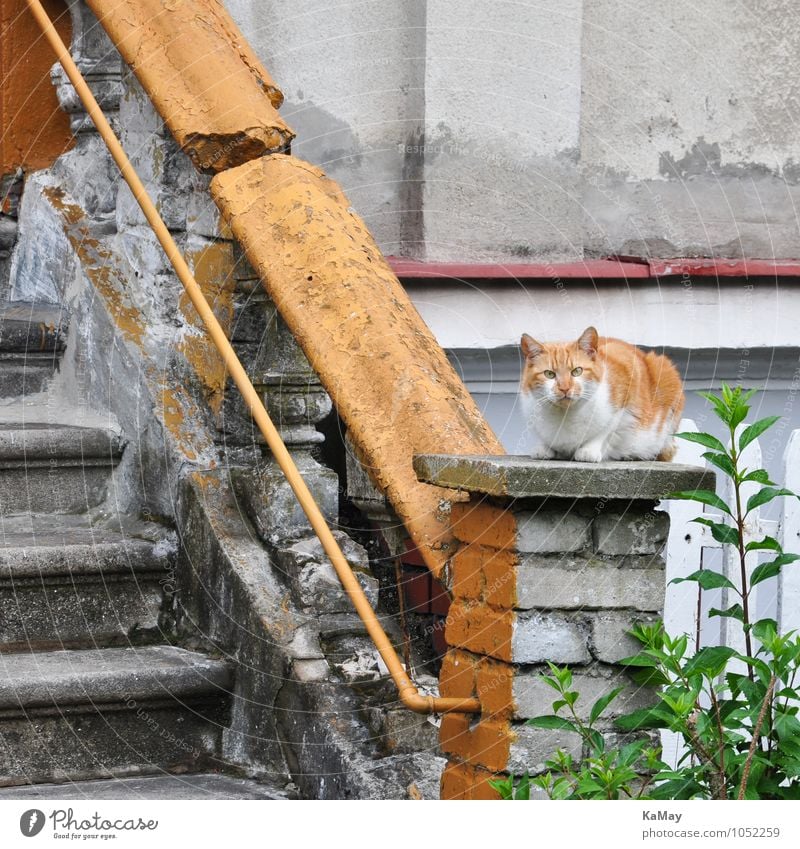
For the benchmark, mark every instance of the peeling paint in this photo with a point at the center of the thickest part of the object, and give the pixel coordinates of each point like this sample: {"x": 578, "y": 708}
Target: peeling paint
{"x": 97, "y": 263}
{"x": 705, "y": 158}
{"x": 205, "y": 81}
{"x": 178, "y": 410}
{"x": 213, "y": 269}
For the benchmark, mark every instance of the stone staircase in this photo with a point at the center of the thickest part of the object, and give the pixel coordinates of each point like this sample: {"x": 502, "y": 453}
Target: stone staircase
{"x": 91, "y": 690}
{"x": 31, "y": 341}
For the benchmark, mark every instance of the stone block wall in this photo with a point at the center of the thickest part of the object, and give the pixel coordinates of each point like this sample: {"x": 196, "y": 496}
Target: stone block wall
{"x": 557, "y": 561}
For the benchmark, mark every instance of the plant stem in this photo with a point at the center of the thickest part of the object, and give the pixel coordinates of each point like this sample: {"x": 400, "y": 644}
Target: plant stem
{"x": 721, "y": 731}
{"x": 756, "y": 734}
{"x": 717, "y": 786}
{"x": 742, "y": 554}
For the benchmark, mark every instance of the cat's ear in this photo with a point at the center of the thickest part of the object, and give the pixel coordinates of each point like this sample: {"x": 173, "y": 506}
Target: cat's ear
{"x": 530, "y": 347}
{"x": 588, "y": 342}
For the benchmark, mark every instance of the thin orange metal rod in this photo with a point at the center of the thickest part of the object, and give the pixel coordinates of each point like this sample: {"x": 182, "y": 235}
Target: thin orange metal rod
{"x": 409, "y": 695}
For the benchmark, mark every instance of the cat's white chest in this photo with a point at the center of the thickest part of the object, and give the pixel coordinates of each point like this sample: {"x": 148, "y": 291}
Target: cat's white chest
{"x": 565, "y": 430}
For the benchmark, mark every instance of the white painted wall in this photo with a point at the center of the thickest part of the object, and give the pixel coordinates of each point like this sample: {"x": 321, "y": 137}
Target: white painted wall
{"x": 694, "y": 314}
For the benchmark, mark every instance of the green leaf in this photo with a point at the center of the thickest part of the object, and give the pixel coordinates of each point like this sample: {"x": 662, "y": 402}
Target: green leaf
{"x": 710, "y": 661}
{"x": 596, "y": 742}
{"x": 649, "y": 677}
{"x": 766, "y": 544}
{"x": 771, "y": 569}
{"x": 765, "y": 572}
{"x": 740, "y": 408}
{"x": 755, "y": 430}
{"x": 704, "y": 496}
{"x": 759, "y": 476}
{"x": 734, "y": 612}
{"x": 702, "y": 439}
{"x": 602, "y": 703}
{"x": 707, "y": 578}
{"x": 765, "y": 495}
{"x": 679, "y": 788}
{"x": 638, "y": 720}
{"x": 721, "y": 532}
{"x": 720, "y": 406}
{"x": 505, "y": 787}
{"x": 721, "y": 461}
{"x": 589, "y": 787}
{"x": 552, "y": 682}
{"x": 554, "y": 723}
{"x": 640, "y": 659}
{"x": 787, "y": 727}
{"x": 765, "y": 629}
{"x": 523, "y": 792}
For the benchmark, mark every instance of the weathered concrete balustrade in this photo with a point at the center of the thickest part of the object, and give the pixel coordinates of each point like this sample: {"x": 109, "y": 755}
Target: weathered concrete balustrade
{"x": 557, "y": 561}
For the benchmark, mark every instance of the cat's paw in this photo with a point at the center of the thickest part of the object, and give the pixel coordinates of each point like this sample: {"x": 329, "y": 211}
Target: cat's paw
{"x": 589, "y": 454}
{"x": 543, "y": 453}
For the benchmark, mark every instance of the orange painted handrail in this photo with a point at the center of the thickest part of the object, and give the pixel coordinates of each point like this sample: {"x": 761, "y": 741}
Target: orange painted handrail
{"x": 409, "y": 695}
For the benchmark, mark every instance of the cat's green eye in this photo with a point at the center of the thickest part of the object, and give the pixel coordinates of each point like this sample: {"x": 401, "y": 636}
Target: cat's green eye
{"x": 549, "y": 374}
{"x": 576, "y": 371}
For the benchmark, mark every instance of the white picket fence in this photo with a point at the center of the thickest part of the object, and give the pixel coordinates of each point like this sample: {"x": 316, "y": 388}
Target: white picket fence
{"x": 691, "y": 544}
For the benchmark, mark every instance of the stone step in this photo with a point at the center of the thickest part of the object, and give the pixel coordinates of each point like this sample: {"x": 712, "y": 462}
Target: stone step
{"x": 67, "y": 584}
{"x": 53, "y": 468}
{"x": 24, "y": 374}
{"x": 104, "y": 713}
{"x": 151, "y": 787}
{"x": 32, "y": 328}
{"x": 32, "y": 338}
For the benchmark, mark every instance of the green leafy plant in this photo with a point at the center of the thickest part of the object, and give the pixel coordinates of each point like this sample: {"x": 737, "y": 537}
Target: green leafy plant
{"x": 736, "y": 712}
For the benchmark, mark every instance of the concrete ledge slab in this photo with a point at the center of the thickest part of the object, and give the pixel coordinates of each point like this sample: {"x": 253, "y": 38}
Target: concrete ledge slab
{"x": 523, "y": 477}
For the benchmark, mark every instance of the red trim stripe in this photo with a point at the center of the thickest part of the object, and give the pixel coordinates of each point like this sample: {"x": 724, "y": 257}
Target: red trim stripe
{"x": 597, "y": 269}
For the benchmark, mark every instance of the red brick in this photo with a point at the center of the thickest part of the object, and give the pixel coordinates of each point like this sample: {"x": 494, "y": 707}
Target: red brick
{"x": 499, "y": 578}
{"x": 460, "y": 781}
{"x": 440, "y": 600}
{"x": 457, "y": 781}
{"x": 486, "y": 743}
{"x": 452, "y": 733}
{"x": 480, "y": 629}
{"x": 468, "y": 572}
{"x": 457, "y": 676}
{"x": 494, "y": 687}
{"x": 417, "y": 590}
{"x": 477, "y": 522}
{"x": 480, "y": 789}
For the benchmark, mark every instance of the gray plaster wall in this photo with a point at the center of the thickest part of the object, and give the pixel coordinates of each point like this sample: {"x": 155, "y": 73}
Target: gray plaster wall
{"x": 352, "y": 75}
{"x": 549, "y": 131}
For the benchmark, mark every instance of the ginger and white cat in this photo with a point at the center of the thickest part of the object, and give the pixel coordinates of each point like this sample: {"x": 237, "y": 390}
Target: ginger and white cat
{"x": 600, "y": 399}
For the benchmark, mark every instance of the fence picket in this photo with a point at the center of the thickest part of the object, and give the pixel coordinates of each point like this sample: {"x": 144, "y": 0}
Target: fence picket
{"x": 789, "y": 579}
{"x": 730, "y": 629}
{"x": 684, "y": 555}
{"x": 684, "y": 547}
